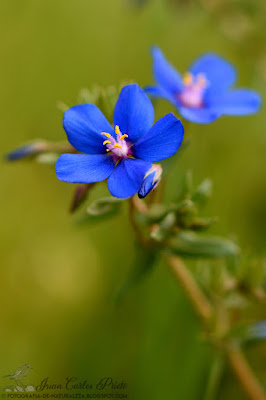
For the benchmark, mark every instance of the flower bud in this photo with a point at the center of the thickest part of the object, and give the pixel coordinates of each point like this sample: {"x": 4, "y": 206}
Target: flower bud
{"x": 151, "y": 180}
{"x": 80, "y": 195}
{"x": 27, "y": 150}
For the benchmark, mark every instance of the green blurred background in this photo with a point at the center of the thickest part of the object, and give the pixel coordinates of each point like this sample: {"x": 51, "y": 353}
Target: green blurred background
{"x": 57, "y": 280}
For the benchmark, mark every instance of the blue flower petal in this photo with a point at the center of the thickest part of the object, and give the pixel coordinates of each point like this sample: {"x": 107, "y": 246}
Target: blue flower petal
{"x": 219, "y": 73}
{"x": 164, "y": 73}
{"x": 199, "y": 115}
{"x": 83, "y": 125}
{"x": 147, "y": 185}
{"x": 159, "y": 92}
{"x": 161, "y": 141}
{"x": 84, "y": 168}
{"x": 133, "y": 112}
{"x": 127, "y": 177}
{"x": 237, "y": 102}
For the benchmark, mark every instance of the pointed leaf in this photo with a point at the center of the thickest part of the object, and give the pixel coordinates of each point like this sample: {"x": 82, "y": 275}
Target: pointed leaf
{"x": 190, "y": 244}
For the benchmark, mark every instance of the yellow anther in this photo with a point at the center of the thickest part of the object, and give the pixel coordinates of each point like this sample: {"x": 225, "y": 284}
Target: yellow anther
{"x": 188, "y": 78}
{"x": 107, "y": 149}
{"x": 117, "y": 130}
{"x": 106, "y": 134}
{"x": 201, "y": 80}
{"x": 123, "y": 136}
{"x": 106, "y": 141}
{"x": 118, "y": 145}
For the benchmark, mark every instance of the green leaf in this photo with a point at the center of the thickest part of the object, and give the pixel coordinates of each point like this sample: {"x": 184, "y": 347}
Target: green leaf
{"x": 101, "y": 209}
{"x": 157, "y": 212}
{"x": 104, "y": 206}
{"x": 163, "y": 230}
{"x": 190, "y": 244}
{"x": 143, "y": 264}
{"x": 203, "y": 192}
{"x": 215, "y": 377}
{"x": 201, "y": 224}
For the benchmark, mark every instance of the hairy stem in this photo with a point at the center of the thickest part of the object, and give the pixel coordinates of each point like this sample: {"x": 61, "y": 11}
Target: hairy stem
{"x": 136, "y": 204}
{"x": 194, "y": 293}
{"x": 244, "y": 373}
{"x": 205, "y": 311}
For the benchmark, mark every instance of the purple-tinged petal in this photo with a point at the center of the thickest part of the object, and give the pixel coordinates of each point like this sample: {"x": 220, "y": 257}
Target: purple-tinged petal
{"x": 161, "y": 141}
{"x": 237, "y": 102}
{"x": 164, "y": 73}
{"x": 83, "y": 125}
{"x": 219, "y": 73}
{"x": 133, "y": 112}
{"x": 199, "y": 115}
{"x": 84, "y": 168}
{"x": 127, "y": 177}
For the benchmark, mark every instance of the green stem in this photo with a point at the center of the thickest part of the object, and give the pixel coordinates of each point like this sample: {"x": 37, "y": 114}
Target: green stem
{"x": 244, "y": 373}
{"x": 134, "y": 204}
{"x": 198, "y": 299}
{"x": 206, "y": 312}
{"x": 235, "y": 356}
{"x": 215, "y": 377}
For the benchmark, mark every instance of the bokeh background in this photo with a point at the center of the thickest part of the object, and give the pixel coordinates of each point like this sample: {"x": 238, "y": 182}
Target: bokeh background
{"x": 57, "y": 279}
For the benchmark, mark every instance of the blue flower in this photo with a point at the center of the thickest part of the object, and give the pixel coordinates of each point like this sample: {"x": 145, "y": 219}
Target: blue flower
{"x": 204, "y": 93}
{"x": 124, "y": 154}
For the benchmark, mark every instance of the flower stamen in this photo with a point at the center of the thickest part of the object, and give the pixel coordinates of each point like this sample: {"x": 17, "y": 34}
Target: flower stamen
{"x": 106, "y": 134}
{"x": 118, "y": 146}
{"x": 193, "y": 90}
{"x": 188, "y": 79}
{"x": 123, "y": 136}
{"x": 117, "y": 130}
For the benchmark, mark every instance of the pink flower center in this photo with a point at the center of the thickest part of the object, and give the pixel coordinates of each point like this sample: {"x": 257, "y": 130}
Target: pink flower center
{"x": 119, "y": 147}
{"x": 193, "y": 91}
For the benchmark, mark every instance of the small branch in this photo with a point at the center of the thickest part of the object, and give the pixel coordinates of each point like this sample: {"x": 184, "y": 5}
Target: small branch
{"x": 61, "y": 147}
{"x": 192, "y": 290}
{"x": 138, "y": 204}
{"x": 244, "y": 373}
